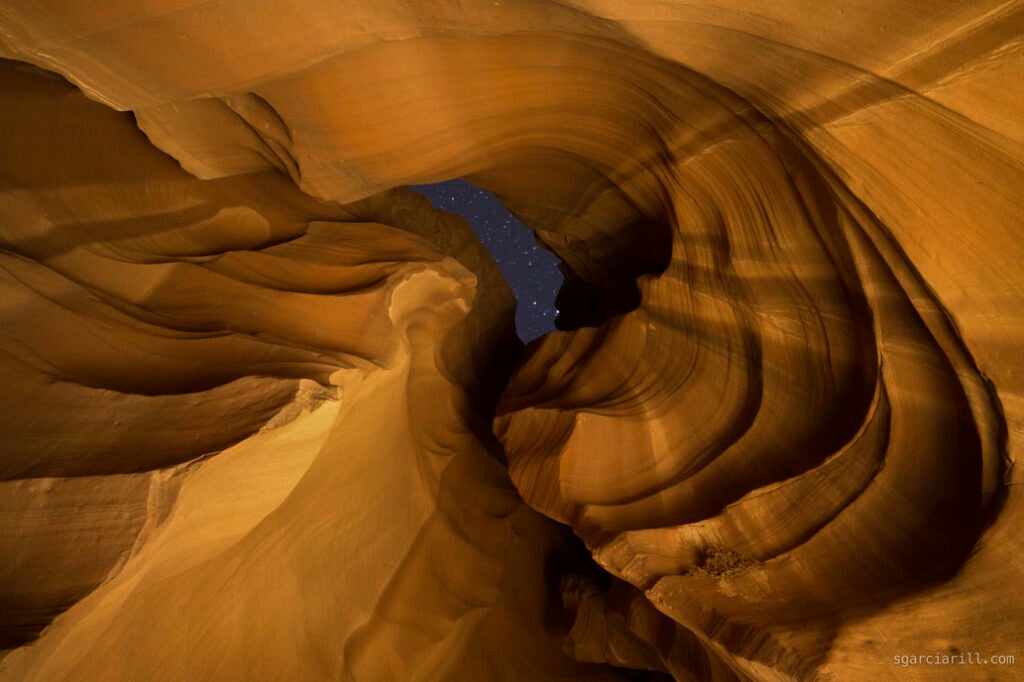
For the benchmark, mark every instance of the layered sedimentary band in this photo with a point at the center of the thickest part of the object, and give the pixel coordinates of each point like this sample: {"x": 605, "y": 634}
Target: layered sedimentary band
{"x": 264, "y": 411}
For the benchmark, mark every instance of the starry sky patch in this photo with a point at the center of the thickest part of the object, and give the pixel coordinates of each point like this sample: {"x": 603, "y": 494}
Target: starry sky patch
{"x": 531, "y": 271}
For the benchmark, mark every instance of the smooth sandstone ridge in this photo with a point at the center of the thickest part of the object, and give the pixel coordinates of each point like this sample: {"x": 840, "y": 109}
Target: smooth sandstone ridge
{"x": 264, "y": 414}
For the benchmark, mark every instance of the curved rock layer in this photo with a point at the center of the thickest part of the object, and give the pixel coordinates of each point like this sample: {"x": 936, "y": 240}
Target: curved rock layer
{"x": 249, "y": 386}
{"x": 156, "y": 320}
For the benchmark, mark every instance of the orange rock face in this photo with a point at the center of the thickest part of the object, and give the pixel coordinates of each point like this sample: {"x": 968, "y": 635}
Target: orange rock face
{"x": 264, "y": 414}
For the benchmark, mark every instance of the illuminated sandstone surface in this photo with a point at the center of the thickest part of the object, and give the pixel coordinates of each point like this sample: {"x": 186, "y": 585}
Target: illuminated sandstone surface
{"x": 264, "y": 414}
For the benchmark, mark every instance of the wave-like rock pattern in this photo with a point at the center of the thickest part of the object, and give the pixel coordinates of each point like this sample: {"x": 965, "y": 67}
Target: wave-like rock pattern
{"x": 782, "y": 414}
{"x": 176, "y": 317}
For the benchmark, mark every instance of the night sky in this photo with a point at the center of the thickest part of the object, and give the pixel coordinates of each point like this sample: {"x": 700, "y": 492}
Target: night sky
{"x": 531, "y": 271}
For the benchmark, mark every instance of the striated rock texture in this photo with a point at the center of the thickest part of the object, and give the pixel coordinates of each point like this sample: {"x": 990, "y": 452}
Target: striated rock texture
{"x": 263, "y": 412}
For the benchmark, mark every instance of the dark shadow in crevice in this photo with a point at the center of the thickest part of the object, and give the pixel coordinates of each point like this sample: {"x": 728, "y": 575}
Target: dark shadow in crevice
{"x": 646, "y": 249}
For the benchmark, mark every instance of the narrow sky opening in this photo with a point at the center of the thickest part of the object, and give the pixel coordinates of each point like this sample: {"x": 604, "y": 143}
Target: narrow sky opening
{"x": 530, "y": 270}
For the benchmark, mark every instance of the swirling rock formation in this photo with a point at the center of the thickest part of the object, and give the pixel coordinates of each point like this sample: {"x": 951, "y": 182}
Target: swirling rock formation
{"x": 264, "y": 413}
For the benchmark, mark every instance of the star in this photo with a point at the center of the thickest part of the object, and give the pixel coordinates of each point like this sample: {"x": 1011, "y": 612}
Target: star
{"x": 510, "y": 244}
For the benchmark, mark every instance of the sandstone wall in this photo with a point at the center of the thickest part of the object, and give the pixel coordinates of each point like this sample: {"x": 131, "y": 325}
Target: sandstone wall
{"x": 264, "y": 414}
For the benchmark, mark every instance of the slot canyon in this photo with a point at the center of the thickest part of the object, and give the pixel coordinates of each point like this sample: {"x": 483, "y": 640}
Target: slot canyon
{"x": 264, "y": 413}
